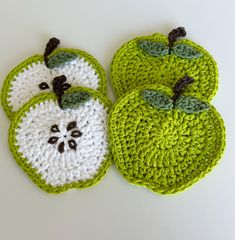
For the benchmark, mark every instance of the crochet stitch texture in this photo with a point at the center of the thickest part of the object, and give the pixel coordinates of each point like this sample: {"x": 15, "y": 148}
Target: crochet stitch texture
{"x": 165, "y": 150}
{"x": 161, "y": 134}
{"x": 22, "y": 83}
{"x": 62, "y": 149}
{"x": 132, "y": 66}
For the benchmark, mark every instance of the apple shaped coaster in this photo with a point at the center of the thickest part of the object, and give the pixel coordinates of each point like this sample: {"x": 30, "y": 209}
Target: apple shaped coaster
{"x": 60, "y": 140}
{"x": 158, "y": 59}
{"x": 35, "y": 75}
{"x": 164, "y": 140}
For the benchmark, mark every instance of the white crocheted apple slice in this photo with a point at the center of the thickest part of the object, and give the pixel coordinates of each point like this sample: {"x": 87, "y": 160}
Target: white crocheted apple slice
{"x": 35, "y": 75}
{"x": 62, "y": 147}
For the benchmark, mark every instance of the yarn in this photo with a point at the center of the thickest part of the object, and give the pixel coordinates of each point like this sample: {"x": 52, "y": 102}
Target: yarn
{"x": 158, "y": 99}
{"x": 43, "y": 86}
{"x": 73, "y": 100}
{"x": 158, "y": 49}
{"x": 163, "y": 137}
{"x": 191, "y": 104}
{"x": 28, "y": 78}
{"x": 132, "y": 66}
{"x": 164, "y": 150}
{"x": 62, "y": 149}
{"x": 155, "y": 49}
{"x": 185, "y": 51}
{"x": 71, "y": 143}
{"x": 52, "y": 44}
{"x": 59, "y": 86}
{"x": 60, "y": 59}
{"x": 175, "y": 34}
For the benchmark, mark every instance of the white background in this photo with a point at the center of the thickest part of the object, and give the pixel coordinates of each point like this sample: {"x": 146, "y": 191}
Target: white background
{"x": 114, "y": 209}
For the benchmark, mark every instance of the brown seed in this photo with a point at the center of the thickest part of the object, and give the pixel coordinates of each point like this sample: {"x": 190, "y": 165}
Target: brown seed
{"x": 53, "y": 140}
{"x": 43, "y": 86}
{"x": 55, "y": 128}
{"x": 61, "y": 147}
{"x": 71, "y": 125}
{"x": 76, "y": 134}
{"x": 73, "y": 144}
{"x": 66, "y": 86}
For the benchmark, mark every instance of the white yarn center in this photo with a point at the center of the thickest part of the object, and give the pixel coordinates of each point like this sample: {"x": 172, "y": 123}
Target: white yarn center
{"x": 26, "y": 84}
{"x": 70, "y": 166}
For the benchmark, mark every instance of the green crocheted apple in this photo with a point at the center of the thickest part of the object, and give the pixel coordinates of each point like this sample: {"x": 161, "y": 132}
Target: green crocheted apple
{"x": 35, "y": 75}
{"x": 60, "y": 139}
{"x": 165, "y": 140}
{"x": 158, "y": 59}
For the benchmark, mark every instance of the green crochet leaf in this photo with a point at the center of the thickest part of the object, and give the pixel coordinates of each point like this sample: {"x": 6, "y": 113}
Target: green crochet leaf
{"x": 60, "y": 59}
{"x": 183, "y": 50}
{"x": 190, "y": 104}
{"x": 155, "y": 49}
{"x": 158, "y": 99}
{"x": 74, "y": 100}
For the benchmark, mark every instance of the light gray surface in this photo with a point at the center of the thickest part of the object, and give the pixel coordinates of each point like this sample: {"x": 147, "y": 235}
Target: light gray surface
{"x": 114, "y": 209}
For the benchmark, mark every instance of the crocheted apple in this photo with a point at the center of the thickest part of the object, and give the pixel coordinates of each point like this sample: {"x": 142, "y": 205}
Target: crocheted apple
{"x": 60, "y": 140}
{"x": 35, "y": 75}
{"x": 165, "y": 140}
{"x": 158, "y": 59}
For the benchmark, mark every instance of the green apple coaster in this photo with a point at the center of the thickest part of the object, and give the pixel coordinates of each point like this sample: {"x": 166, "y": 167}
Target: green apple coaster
{"x": 158, "y": 59}
{"x": 164, "y": 139}
{"x": 60, "y": 139}
{"x": 35, "y": 75}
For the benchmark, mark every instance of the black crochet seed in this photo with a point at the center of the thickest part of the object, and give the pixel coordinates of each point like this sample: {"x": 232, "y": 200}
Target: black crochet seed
{"x": 43, "y": 86}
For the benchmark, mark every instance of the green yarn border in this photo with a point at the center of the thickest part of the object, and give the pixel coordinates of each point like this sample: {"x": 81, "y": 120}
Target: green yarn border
{"x": 102, "y": 85}
{"x": 120, "y": 104}
{"x": 30, "y": 171}
{"x": 163, "y": 39}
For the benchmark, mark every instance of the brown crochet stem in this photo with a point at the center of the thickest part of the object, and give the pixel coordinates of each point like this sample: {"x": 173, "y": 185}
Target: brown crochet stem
{"x": 52, "y": 44}
{"x": 180, "y": 86}
{"x": 175, "y": 34}
{"x": 59, "y": 86}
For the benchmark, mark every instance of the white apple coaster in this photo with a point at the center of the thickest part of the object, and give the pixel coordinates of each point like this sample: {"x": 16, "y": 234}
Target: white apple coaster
{"x": 34, "y": 75}
{"x": 61, "y": 140}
